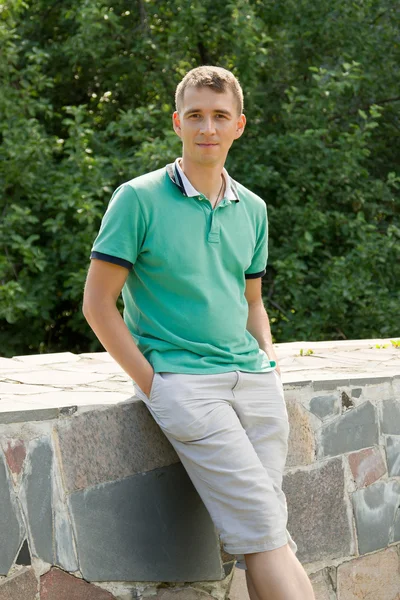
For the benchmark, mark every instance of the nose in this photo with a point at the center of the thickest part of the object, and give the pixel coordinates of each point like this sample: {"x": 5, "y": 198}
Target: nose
{"x": 207, "y": 126}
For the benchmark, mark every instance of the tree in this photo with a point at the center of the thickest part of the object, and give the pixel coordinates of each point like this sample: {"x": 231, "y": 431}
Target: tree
{"x": 87, "y": 90}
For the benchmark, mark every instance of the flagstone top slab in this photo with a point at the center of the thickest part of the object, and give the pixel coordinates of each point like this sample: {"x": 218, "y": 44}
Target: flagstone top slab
{"x": 349, "y": 359}
{"x": 47, "y": 383}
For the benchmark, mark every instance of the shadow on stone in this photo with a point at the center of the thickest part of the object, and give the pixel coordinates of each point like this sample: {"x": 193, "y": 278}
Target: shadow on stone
{"x": 24, "y": 556}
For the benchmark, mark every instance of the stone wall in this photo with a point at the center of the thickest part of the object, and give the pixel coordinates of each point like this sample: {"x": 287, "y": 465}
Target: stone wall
{"x": 342, "y": 484}
{"x": 96, "y": 505}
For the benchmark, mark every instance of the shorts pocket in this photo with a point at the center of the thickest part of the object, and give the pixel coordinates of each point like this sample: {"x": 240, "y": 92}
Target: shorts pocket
{"x": 153, "y": 386}
{"x": 178, "y": 413}
{"x": 142, "y": 395}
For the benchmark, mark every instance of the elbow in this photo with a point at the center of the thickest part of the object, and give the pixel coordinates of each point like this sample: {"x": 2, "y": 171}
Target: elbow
{"x": 97, "y": 306}
{"x": 85, "y": 309}
{"x": 87, "y": 305}
{"x": 255, "y": 304}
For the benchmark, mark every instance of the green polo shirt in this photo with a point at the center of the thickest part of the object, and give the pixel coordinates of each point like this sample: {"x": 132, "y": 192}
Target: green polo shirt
{"x": 184, "y": 296}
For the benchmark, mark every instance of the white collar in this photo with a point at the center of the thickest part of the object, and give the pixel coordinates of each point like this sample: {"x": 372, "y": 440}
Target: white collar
{"x": 191, "y": 191}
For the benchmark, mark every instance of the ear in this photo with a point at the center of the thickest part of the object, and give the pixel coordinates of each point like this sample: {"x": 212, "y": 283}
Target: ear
{"x": 176, "y": 123}
{"x": 240, "y": 125}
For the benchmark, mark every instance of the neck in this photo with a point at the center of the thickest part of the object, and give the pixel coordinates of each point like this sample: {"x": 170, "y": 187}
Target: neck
{"x": 207, "y": 179}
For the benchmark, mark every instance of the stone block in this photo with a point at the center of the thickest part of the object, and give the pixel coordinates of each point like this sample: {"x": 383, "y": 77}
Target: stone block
{"x": 9, "y": 365}
{"x": 15, "y": 453}
{"x": 366, "y": 466}
{"x": 184, "y": 593}
{"x": 396, "y": 528}
{"x": 393, "y": 455}
{"x": 295, "y": 381}
{"x": 106, "y": 445}
{"x": 328, "y": 385}
{"x": 93, "y": 366}
{"x": 96, "y": 356}
{"x": 47, "y": 359}
{"x": 301, "y": 450}
{"x": 36, "y": 498}
{"x": 26, "y": 414}
{"x": 356, "y": 429}
{"x": 375, "y": 509}
{"x": 376, "y": 576}
{"x": 238, "y": 590}
{"x": 85, "y": 398}
{"x": 325, "y": 406}
{"x": 16, "y": 391}
{"x": 58, "y": 585}
{"x": 390, "y": 421}
{"x": 374, "y": 380}
{"x": 42, "y": 498}
{"x": 148, "y": 527}
{"x": 380, "y": 388}
{"x": 318, "y": 518}
{"x": 11, "y": 525}
{"x": 322, "y": 585}
{"x": 55, "y": 378}
{"x": 64, "y": 547}
{"x": 219, "y": 589}
{"x": 22, "y": 585}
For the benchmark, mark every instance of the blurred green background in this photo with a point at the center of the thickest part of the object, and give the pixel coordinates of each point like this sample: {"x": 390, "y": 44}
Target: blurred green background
{"x": 86, "y": 96}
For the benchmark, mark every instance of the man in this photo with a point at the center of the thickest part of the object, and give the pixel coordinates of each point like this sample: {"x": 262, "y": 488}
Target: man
{"x": 187, "y": 245}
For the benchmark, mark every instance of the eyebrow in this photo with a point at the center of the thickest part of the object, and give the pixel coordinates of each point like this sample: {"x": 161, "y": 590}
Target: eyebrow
{"x": 199, "y": 110}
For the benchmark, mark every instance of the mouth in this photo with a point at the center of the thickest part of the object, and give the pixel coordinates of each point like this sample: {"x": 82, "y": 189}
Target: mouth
{"x": 206, "y": 144}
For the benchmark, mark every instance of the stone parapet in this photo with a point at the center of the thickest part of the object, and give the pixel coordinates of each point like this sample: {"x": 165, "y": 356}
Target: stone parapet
{"x": 96, "y": 504}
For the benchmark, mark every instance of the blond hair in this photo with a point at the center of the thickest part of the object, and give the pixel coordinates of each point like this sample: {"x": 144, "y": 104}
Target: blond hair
{"x": 216, "y": 78}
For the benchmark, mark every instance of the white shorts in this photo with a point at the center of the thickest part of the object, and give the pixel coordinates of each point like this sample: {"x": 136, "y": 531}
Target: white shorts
{"x": 230, "y": 432}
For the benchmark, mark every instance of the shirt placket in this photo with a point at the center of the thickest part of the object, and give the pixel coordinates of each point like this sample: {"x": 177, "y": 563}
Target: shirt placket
{"x": 214, "y": 231}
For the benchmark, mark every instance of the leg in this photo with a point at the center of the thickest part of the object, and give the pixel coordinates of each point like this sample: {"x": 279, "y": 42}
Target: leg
{"x": 278, "y": 575}
{"x": 241, "y": 566}
{"x": 264, "y": 418}
{"x": 261, "y": 408}
{"x": 250, "y": 587}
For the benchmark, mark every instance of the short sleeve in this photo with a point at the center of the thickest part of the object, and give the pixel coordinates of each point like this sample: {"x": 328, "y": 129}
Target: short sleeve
{"x": 260, "y": 256}
{"x": 122, "y": 229}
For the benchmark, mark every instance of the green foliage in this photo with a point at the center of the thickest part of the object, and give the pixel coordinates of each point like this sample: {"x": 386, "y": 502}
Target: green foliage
{"x": 86, "y": 96}
{"x": 308, "y": 352}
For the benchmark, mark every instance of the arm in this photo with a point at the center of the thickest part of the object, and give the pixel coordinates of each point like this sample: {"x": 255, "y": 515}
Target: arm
{"x": 103, "y": 287}
{"x": 257, "y": 321}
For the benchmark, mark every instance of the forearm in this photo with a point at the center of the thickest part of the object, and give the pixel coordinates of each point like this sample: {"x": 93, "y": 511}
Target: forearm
{"x": 111, "y": 330}
{"x": 259, "y": 327}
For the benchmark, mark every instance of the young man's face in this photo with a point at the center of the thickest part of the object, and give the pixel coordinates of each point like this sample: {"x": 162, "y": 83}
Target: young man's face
{"x": 207, "y": 124}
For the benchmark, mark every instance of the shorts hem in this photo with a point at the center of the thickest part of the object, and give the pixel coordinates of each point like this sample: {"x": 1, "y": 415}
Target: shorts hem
{"x": 262, "y": 547}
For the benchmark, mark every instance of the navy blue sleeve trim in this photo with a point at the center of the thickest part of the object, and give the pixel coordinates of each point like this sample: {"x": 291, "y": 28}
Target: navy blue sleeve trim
{"x": 255, "y": 275}
{"x": 112, "y": 259}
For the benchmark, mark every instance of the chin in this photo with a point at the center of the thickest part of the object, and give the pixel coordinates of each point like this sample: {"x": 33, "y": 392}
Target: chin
{"x": 208, "y": 160}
